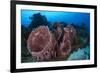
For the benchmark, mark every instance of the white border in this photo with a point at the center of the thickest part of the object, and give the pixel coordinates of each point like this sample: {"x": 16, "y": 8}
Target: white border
{"x": 20, "y": 65}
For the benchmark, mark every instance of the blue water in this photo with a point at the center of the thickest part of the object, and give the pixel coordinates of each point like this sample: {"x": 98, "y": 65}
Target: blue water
{"x": 68, "y": 17}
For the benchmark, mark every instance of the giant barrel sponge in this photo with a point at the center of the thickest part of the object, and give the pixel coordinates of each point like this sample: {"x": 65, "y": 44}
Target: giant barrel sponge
{"x": 41, "y": 44}
{"x": 44, "y": 46}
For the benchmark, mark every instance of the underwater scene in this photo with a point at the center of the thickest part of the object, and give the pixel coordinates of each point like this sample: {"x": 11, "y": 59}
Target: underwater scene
{"x": 54, "y": 36}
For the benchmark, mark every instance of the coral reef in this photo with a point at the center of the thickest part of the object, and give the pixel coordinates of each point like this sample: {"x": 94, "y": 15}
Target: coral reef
{"x": 45, "y": 47}
{"x": 46, "y": 41}
{"x": 80, "y": 54}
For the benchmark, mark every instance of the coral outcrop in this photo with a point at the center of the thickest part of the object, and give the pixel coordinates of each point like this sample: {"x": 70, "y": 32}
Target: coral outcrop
{"x": 45, "y": 47}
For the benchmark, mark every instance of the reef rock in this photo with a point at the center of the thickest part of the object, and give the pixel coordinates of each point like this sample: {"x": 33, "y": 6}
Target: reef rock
{"x": 41, "y": 44}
